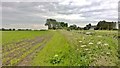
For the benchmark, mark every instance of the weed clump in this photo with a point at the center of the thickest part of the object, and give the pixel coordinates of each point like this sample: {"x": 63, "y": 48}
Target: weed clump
{"x": 56, "y": 59}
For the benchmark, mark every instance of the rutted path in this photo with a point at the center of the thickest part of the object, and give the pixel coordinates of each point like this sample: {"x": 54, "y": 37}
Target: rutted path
{"x": 24, "y": 51}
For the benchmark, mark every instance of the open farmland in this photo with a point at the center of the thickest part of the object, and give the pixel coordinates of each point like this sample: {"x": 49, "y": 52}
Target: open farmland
{"x": 59, "y": 48}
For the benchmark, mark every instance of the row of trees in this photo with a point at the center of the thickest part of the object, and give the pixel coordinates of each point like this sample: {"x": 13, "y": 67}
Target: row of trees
{"x": 102, "y": 25}
{"x": 53, "y": 24}
{"x": 3, "y": 29}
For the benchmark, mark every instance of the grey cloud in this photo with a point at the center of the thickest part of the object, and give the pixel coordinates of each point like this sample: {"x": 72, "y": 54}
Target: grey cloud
{"x": 74, "y": 9}
{"x": 12, "y": 13}
{"x": 29, "y": 12}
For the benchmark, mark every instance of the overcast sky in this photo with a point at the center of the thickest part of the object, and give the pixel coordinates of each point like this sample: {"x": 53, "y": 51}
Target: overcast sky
{"x": 80, "y": 12}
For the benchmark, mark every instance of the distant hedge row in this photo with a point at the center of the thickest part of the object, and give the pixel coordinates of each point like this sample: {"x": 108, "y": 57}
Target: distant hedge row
{"x": 3, "y": 29}
{"x": 101, "y": 25}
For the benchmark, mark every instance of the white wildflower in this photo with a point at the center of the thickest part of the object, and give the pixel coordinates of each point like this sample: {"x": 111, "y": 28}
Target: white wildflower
{"x": 86, "y": 49}
{"x": 88, "y": 33}
{"x": 83, "y": 46}
{"x": 108, "y": 53}
{"x": 77, "y": 49}
{"x": 56, "y": 55}
{"x": 98, "y": 43}
{"x": 80, "y": 41}
{"x": 90, "y": 43}
{"x": 106, "y": 44}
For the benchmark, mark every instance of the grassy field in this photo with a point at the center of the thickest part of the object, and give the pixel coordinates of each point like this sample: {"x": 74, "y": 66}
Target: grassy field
{"x": 59, "y": 48}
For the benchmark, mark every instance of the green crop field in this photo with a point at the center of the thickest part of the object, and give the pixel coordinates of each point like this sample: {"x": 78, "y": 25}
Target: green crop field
{"x": 59, "y": 48}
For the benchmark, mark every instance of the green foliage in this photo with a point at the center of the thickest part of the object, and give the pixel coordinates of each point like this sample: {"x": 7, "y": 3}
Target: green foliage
{"x": 13, "y": 45}
{"x": 103, "y": 25}
{"x": 93, "y": 50}
{"x": 87, "y": 27}
{"x": 53, "y": 24}
{"x": 65, "y": 48}
{"x": 15, "y": 36}
{"x": 63, "y": 24}
{"x": 54, "y": 53}
{"x": 73, "y": 27}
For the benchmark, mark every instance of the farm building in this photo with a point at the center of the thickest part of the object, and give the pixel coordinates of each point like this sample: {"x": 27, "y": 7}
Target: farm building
{"x": 92, "y": 27}
{"x": 39, "y": 27}
{"x": 44, "y": 28}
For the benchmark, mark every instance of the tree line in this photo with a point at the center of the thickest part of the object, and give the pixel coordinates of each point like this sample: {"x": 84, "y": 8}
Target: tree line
{"x": 4, "y": 29}
{"x": 102, "y": 25}
{"x": 10, "y": 29}
{"x": 53, "y": 24}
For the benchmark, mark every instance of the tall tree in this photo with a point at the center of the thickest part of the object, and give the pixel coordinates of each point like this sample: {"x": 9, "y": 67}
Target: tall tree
{"x": 52, "y": 24}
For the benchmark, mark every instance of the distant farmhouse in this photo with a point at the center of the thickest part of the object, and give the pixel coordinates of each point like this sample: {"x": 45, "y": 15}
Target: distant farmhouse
{"x": 39, "y": 27}
{"x": 92, "y": 27}
{"x": 44, "y": 27}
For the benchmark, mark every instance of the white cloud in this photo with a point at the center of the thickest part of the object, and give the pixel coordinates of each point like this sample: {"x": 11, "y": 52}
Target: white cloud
{"x": 75, "y": 2}
{"x": 71, "y": 11}
{"x": 80, "y": 2}
{"x": 69, "y": 17}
